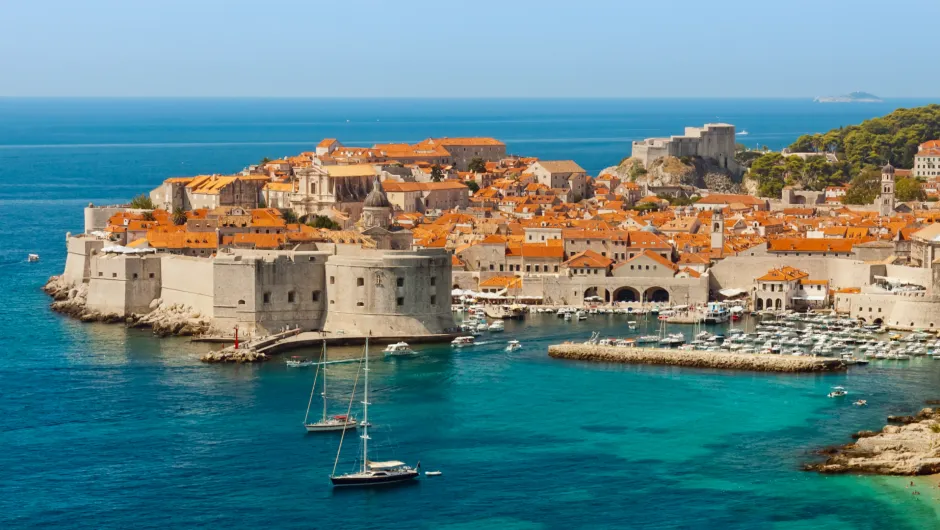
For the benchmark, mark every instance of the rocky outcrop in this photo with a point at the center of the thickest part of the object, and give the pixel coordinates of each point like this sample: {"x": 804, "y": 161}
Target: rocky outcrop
{"x": 670, "y": 171}
{"x": 694, "y": 359}
{"x": 230, "y": 355}
{"x": 164, "y": 319}
{"x": 912, "y": 448}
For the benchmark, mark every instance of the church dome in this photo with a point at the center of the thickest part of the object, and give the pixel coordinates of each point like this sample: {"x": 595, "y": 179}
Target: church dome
{"x": 888, "y": 168}
{"x": 376, "y": 198}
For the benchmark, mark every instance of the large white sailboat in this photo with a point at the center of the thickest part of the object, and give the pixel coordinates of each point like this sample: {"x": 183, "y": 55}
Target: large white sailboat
{"x": 339, "y": 422}
{"x": 372, "y": 473}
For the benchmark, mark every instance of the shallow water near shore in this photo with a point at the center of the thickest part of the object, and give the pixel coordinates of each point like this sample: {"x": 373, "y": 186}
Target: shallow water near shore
{"x": 103, "y": 427}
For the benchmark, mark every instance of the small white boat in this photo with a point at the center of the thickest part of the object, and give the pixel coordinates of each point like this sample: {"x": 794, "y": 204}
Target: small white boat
{"x": 32, "y": 257}
{"x": 433, "y": 473}
{"x": 399, "y": 349}
{"x": 838, "y": 391}
{"x": 860, "y": 403}
{"x": 462, "y": 342}
{"x": 298, "y": 362}
{"x": 497, "y": 326}
{"x": 513, "y": 345}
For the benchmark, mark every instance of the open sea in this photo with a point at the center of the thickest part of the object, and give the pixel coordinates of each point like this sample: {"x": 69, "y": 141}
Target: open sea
{"x": 102, "y": 427}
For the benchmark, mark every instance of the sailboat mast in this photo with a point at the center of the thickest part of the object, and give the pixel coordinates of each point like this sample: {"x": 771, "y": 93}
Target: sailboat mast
{"x": 323, "y": 360}
{"x": 365, "y": 415}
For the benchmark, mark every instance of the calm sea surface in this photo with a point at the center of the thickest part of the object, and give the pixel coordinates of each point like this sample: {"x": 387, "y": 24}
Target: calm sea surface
{"x": 101, "y": 427}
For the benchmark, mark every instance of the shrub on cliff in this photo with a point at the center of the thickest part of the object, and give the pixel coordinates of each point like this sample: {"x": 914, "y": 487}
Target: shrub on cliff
{"x": 142, "y": 202}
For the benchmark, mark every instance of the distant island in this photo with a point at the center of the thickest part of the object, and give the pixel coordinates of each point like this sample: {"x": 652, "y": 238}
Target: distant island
{"x": 854, "y": 97}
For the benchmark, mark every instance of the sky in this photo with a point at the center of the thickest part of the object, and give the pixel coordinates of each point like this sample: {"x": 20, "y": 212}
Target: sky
{"x": 460, "y": 48}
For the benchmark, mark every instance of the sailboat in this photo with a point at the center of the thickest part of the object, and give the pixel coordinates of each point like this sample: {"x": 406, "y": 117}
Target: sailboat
{"x": 372, "y": 473}
{"x": 339, "y": 422}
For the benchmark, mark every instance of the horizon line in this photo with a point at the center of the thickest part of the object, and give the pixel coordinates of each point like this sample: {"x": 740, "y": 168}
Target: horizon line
{"x": 798, "y": 98}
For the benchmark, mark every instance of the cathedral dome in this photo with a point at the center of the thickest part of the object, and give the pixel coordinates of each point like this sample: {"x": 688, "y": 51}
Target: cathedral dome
{"x": 376, "y": 198}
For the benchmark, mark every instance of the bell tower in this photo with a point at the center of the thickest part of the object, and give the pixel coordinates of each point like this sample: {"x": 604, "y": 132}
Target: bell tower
{"x": 886, "y": 201}
{"x": 718, "y": 230}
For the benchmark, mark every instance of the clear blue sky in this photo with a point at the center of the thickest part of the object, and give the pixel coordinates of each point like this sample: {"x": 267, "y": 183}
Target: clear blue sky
{"x": 457, "y": 48}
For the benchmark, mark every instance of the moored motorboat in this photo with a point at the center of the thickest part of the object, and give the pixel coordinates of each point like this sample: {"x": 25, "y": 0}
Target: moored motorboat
{"x": 463, "y": 342}
{"x": 497, "y": 326}
{"x": 399, "y": 349}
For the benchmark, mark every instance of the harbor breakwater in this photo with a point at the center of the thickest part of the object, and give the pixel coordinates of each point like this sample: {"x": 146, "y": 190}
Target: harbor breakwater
{"x": 695, "y": 359}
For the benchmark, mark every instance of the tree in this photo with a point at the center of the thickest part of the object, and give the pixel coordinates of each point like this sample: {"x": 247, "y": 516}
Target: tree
{"x": 288, "y": 215}
{"x": 474, "y": 187}
{"x": 142, "y": 202}
{"x": 477, "y": 165}
{"x": 437, "y": 174}
{"x": 179, "y": 216}
{"x": 264, "y": 161}
{"x": 909, "y": 189}
{"x": 864, "y": 187}
{"x": 323, "y": 221}
{"x": 646, "y": 207}
{"x": 148, "y": 216}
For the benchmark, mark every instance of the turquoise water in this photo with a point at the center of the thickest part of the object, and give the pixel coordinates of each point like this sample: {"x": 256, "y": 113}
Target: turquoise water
{"x": 102, "y": 427}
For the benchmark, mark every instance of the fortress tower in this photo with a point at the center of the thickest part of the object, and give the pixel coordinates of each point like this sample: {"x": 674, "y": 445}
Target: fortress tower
{"x": 886, "y": 201}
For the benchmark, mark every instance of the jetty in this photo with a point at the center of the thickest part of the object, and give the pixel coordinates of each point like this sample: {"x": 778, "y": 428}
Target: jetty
{"x": 695, "y": 359}
{"x": 262, "y": 348}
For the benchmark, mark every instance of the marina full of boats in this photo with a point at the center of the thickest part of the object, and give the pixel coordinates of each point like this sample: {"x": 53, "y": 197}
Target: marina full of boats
{"x": 817, "y": 335}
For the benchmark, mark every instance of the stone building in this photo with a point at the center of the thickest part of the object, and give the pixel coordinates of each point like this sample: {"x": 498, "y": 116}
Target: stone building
{"x": 789, "y": 288}
{"x": 565, "y": 174}
{"x": 464, "y": 150}
{"x": 209, "y": 191}
{"x": 714, "y": 140}
{"x": 927, "y": 160}
{"x": 322, "y": 189}
{"x": 421, "y": 197}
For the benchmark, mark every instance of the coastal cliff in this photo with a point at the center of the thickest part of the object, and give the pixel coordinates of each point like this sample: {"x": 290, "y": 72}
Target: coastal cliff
{"x": 909, "y": 445}
{"x": 164, "y": 319}
{"x": 694, "y": 359}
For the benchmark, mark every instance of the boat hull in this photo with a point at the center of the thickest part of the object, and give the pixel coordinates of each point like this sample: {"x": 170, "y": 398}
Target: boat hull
{"x": 329, "y": 427}
{"x": 359, "y": 481}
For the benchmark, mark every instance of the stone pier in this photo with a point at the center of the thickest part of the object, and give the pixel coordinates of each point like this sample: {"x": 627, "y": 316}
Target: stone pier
{"x": 695, "y": 359}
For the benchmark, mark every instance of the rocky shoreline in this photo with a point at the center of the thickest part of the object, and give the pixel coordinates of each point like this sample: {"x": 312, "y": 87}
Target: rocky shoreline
{"x": 695, "y": 359}
{"x": 908, "y": 445}
{"x": 164, "y": 319}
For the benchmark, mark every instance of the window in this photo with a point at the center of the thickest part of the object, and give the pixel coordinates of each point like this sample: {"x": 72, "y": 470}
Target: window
{"x": 290, "y": 297}
{"x": 360, "y": 304}
{"x": 360, "y": 282}
{"x": 400, "y": 301}
{"x": 332, "y": 280}
{"x": 114, "y": 275}
{"x": 100, "y": 274}
{"x": 241, "y": 302}
{"x": 433, "y": 299}
{"x": 556, "y": 268}
{"x": 151, "y": 275}
{"x": 400, "y": 282}
{"x": 135, "y": 275}
{"x": 267, "y": 298}
{"x": 434, "y": 280}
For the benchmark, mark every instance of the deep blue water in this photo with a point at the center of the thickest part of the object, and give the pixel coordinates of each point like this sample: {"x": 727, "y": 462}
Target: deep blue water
{"x": 101, "y": 427}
